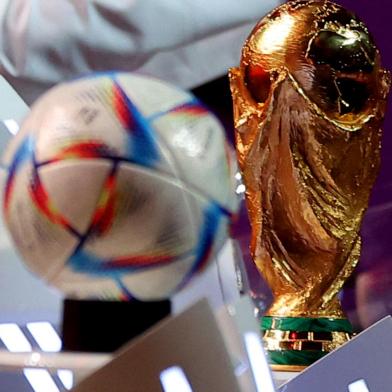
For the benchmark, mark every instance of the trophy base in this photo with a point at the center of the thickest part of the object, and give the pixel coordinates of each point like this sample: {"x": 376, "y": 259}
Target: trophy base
{"x": 288, "y": 368}
{"x": 294, "y": 342}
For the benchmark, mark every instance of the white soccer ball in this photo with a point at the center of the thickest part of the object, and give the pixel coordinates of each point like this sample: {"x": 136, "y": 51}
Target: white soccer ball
{"x": 119, "y": 186}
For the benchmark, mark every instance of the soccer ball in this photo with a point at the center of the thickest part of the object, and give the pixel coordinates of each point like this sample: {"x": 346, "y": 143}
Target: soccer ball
{"x": 119, "y": 186}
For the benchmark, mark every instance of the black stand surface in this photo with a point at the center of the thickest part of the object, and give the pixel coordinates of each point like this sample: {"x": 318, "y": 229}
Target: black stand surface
{"x": 104, "y": 326}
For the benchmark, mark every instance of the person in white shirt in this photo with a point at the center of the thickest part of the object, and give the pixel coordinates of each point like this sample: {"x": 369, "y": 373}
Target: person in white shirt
{"x": 186, "y": 42}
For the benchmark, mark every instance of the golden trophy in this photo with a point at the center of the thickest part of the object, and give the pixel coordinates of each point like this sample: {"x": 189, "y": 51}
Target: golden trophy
{"x": 309, "y": 98}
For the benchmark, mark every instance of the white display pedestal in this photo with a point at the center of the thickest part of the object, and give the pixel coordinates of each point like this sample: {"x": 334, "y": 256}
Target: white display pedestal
{"x": 219, "y": 351}
{"x": 361, "y": 365}
{"x": 81, "y": 365}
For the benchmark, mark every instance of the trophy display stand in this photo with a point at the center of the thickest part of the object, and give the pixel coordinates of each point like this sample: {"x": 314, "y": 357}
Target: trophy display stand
{"x": 184, "y": 353}
{"x": 197, "y": 350}
{"x": 362, "y": 364}
{"x": 104, "y": 326}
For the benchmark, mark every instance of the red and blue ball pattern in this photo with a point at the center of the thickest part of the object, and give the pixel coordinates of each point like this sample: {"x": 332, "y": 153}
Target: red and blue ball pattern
{"x": 144, "y": 150}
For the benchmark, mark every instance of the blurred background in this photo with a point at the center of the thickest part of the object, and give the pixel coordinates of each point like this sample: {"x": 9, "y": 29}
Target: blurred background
{"x": 190, "y": 45}
{"x": 198, "y": 60}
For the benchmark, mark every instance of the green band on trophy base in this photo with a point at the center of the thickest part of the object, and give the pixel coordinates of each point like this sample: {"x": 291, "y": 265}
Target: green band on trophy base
{"x": 302, "y": 324}
{"x": 300, "y": 341}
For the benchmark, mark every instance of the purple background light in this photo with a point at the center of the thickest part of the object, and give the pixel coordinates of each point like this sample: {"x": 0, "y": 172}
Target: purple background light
{"x": 368, "y": 292}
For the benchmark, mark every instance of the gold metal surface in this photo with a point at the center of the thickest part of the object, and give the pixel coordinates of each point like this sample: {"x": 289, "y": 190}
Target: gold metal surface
{"x": 312, "y": 336}
{"x": 309, "y": 98}
{"x": 280, "y": 340}
{"x": 287, "y": 368}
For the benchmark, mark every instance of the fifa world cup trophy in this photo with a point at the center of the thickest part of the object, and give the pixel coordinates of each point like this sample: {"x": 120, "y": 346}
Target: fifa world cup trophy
{"x": 309, "y": 99}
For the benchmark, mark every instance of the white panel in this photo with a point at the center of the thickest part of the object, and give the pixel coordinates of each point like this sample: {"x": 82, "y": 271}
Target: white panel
{"x": 174, "y": 379}
{"x": 45, "y": 335}
{"x": 358, "y": 386}
{"x": 13, "y": 338}
{"x": 40, "y": 380}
